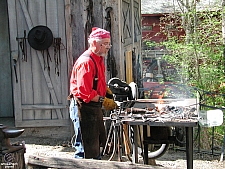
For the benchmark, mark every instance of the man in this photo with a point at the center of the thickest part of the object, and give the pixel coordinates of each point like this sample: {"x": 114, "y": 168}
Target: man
{"x": 88, "y": 87}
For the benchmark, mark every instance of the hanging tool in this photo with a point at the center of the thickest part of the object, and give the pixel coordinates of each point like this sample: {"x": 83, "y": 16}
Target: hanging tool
{"x": 57, "y": 56}
{"x": 111, "y": 63}
{"x": 23, "y": 46}
{"x": 48, "y": 59}
{"x": 14, "y": 65}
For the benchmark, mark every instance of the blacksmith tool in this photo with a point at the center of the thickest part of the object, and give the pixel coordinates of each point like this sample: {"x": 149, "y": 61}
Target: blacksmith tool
{"x": 57, "y": 56}
{"x": 5, "y": 135}
{"x": 23, "y": 46}
{"x": 14, "y": 65}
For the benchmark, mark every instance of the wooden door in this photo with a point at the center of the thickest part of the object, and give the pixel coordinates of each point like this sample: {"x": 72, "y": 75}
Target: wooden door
{"x": 131, "y": 38}
{"x": 137, "y": 21}
{"x": 131, "y": 21}
{"x": 126, "y": 22}
{"x": 40, "y": 94}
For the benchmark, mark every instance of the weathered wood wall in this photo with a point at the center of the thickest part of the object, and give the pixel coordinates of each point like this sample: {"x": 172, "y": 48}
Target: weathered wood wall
{"x": 40, "y": 95}
{"x": 84, "y": 15}
{"x": 125, "y": 29}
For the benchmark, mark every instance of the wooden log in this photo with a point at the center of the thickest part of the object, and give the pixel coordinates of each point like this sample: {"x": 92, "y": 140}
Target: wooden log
{"x": 35, "y": 162}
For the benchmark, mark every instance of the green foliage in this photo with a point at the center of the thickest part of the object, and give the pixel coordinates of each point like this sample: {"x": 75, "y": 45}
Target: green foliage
{"x": 150, "y": 43}
{"x": 198, "y": 55}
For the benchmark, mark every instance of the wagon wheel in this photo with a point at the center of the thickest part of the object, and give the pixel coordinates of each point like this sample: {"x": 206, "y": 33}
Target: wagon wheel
{"x": 159, "y": 133}
{"x": 180, "y": 136}
{"x": 158, "y": 150}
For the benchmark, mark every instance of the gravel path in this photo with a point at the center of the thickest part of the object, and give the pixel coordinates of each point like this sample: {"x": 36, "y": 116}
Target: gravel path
{"x": 171, "y": 159}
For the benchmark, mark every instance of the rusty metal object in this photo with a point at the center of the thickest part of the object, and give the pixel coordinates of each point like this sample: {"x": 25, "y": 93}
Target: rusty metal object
{"x": 136, "y": 110}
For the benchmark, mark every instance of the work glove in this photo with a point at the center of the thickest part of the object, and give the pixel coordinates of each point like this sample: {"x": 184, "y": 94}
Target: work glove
{"x": 109, "y": 93}
{"x": 109, "y": 103}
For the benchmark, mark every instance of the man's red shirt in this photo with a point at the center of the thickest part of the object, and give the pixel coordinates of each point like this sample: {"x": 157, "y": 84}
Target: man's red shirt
{"x": 83, "y": 73}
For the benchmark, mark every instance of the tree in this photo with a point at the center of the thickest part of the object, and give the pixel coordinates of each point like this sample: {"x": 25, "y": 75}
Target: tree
{"x": 199, "y": 54}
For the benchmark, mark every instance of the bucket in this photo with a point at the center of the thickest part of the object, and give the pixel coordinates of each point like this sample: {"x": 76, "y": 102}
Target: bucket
{"x": 210, "y": 118}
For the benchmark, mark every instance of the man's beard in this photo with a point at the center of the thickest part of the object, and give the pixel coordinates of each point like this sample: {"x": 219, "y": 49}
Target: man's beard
{"x": 103, "y": 54}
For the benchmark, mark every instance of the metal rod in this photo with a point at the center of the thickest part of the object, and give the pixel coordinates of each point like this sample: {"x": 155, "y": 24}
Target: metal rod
{"x": 199, "y": 138}
{"x": 213, "y": 129}
{"x": 107, "y": 141}
{"x": 114, "y": 142}
{"x": 222, "y": 152}
{"x": 145, "y": 135}
{"x": 189, "y": 147}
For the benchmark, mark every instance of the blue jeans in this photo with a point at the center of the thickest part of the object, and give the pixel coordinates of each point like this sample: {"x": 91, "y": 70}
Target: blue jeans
{"x": 79, "y": 149}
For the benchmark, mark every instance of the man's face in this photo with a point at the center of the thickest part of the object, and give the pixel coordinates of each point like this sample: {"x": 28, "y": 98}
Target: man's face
{"x": 103, "y": 46}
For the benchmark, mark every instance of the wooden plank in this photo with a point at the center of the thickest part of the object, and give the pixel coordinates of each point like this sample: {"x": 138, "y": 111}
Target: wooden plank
{"x": 44, "y": 123}
{"x": 27, "y": 91}
{"x": 47, "y": 77}
{"x": 68, "y": 30}
{"x": 68, "y": 36}
{"x": 26, "y": 80}
{"x": 14, "y": 54}
{"x": 129, "y": 72}
{"x": 176, "y": 122}
{"x": 116, "y": 36}
{"x": 79, "y": 18}
{"x": 63, "y": 65}
{"x": 41, "y": 94}
{"x": 53, "y": 24}
{"x": 127, "y": 25}
{"x": 98, "y": 11}
{"x": 44, "y": 107}
{"x": 132, "y": 21}
{"x": 137, "y": 21}
{"x": 57, "y": 162}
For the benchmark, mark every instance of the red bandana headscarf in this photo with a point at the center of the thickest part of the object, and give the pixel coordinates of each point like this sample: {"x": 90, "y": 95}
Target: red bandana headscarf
{"x": 98, "y": 33}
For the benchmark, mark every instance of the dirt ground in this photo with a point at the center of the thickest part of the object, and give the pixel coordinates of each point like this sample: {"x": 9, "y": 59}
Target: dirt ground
{"x": 171, "y": 159}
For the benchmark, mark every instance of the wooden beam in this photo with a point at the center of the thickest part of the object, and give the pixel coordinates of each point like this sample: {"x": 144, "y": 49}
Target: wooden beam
{"x": 43, "y": 123}
{"x": 57, "y": 162}
{"x": 43, "y": 107}
{"x": 14, "y": 55}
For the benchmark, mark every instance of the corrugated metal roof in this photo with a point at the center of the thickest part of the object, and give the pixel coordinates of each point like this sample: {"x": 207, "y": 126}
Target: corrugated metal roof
{"x": 169, "y": 6}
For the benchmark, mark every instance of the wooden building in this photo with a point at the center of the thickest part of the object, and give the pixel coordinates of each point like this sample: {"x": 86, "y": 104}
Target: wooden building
{"x": 34, "y": 84}
{"x": 152, "y": 12}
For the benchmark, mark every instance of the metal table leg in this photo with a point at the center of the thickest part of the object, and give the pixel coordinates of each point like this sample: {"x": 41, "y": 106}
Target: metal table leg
{"x": 189, "y": 147}
{"x": 145, "y": 135}
{"x": 133, "y": 131}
